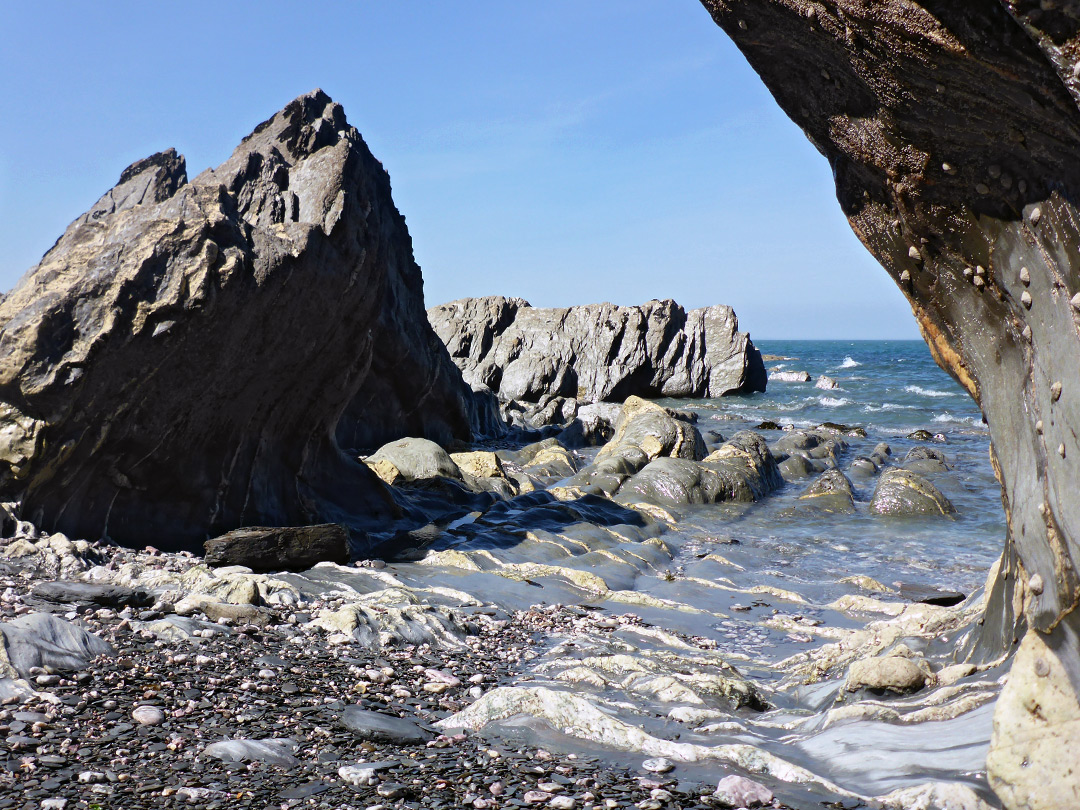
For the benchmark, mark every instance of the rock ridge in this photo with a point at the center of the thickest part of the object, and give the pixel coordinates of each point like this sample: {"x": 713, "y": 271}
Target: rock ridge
{"x": 598, "y": 352}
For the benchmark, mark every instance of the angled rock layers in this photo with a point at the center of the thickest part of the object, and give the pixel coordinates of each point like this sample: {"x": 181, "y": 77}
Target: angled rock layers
{"x": 953, "y": 133}
{"x": 599, "y": 352}
{"x": 191, "y": 357}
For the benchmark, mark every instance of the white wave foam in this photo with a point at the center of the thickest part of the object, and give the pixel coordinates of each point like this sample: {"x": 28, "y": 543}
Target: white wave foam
{"x": 850, "y": 362}
{"x": 927, "y": 392}
{"x": 959, "y": 420}
{"x": 834, "y": 402}
{"x": 889, "y": 406}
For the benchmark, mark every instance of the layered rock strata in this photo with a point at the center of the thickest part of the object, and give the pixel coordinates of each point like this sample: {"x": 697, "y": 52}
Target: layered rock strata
{"x": 191, "y": 357}
{"x": 952, "y": 131}
{"x": 599, "y": 352}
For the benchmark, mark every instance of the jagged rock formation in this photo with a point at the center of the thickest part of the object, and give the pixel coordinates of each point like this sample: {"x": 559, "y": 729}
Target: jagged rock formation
{"x": 191, "y": 357}
{"x": 953, "y": 131}
{"x": 599, "y": 352}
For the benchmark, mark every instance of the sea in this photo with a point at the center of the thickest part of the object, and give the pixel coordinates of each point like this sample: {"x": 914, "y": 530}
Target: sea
{"x": 889, "y": 388}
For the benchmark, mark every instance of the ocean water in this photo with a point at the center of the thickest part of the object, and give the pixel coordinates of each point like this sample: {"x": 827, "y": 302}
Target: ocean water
{"x": 890, "y": 389}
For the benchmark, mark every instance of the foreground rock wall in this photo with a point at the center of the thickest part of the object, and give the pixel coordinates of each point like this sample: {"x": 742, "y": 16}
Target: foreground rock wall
{"x": 953, "y": 131}
{"x": 191, "y": 357}
{"x": 599, "y": 352}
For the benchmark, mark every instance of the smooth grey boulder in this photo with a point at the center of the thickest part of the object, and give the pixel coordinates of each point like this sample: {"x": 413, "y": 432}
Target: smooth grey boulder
{"x": 746, "y": 466}
{"x": 278, "y": 751}
{"x": 801, "y": 453}
{"x": 546, "y": 460}
{"x": 194, "y": 356}
{"x": 864, "y": 467}
{"x": 295, "y": 548}
{"x": 383, "y": 728}
{"x": 798, "y": 466}
{"x": 830, "y": 492}
{"x": 925, "y": 459}
{"x": 885, "y": 674}
{"x": 599, "y": 352}
{"x": 415, "y": 459}
{"x": 902, "y": 492}
{"x": 881, "y": 453}
{"x": 43, "y": 640}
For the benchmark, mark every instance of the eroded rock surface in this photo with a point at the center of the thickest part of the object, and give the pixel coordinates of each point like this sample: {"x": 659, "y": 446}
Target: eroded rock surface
{"x": 952, "y": 131}
{"x": 195, "y": 356}
{"x": 599, "y": 352}
{"x": 279, "y": 549}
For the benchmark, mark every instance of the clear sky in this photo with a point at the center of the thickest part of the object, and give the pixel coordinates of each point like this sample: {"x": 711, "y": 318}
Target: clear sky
{"x": 564, "y": 151}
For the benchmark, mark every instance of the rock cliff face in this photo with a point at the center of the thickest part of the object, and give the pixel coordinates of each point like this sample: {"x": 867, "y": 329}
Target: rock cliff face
{"x": 191, "y": 357}
{"x": 599, "y": 352}
{"x": 953, "y": 132}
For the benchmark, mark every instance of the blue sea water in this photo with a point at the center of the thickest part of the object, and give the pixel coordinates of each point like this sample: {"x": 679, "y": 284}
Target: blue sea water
{"x": 890, "y": 389}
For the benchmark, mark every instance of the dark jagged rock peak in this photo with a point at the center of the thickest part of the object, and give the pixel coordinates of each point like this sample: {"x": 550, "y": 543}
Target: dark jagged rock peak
{"x": 192, "y": 357}
{"x": 953, "y": 133}
{"x": 599, "y": 352}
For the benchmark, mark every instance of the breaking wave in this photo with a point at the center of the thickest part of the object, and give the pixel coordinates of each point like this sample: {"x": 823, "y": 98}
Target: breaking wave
{"x": 927, "y": 392}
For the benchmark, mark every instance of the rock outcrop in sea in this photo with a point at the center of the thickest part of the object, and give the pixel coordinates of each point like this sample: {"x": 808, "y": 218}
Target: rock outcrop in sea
{"x": 952, "y": 131}
{"x": 195, "y": 356}
{"x": 599, "y": 352}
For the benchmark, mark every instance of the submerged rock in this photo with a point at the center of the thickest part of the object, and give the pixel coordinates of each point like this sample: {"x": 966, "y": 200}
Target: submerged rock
{"x": 925, "y": 459}
{"x": 831, "y": 492}
{"x": 789, "y": 376}
{"x": 280, "y": 549}
{"x": 887, "y": 673}
{"x": 598, "y": 352}
{"x": 192, "y": 356}
{"x": 902, "y": 492}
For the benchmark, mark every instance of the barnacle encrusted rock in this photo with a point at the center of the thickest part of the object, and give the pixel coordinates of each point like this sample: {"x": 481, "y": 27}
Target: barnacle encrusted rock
{"x": 952, "y": 131}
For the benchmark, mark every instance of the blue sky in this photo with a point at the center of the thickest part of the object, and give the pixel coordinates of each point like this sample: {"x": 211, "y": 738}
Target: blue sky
{"x": 565, "y": 152}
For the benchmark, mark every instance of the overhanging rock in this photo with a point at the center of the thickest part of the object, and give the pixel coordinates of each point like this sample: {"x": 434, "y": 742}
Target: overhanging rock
{"x": 953, "y": 133}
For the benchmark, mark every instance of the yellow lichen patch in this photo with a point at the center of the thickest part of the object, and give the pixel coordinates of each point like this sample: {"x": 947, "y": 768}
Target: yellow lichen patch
{"x": 942, "y": 350}
{"x": 479, "y": 464}
{"x": 449, "y": 558}
{"x": 867, "y": 584}
{"x": 385, "y": 470}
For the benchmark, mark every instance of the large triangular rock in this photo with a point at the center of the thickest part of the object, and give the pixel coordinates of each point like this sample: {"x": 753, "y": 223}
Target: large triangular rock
{"x": 191, "y": 357}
